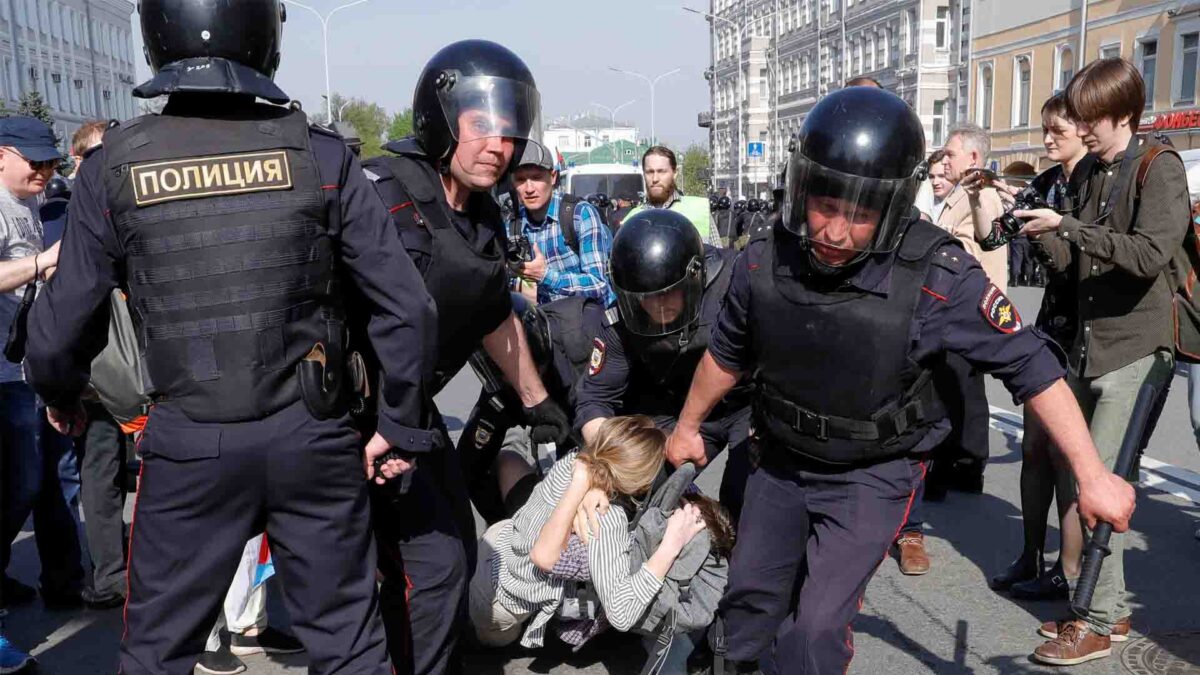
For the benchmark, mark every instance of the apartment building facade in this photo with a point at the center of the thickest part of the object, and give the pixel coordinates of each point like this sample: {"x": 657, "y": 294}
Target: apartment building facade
{"x": 792, "y": 52}
{"x": 1026, "y": 50}
{"x": 77, "y": 53}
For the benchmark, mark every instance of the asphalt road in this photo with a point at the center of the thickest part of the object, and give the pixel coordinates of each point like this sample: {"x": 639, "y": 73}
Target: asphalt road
{"x": 944, "y": 622}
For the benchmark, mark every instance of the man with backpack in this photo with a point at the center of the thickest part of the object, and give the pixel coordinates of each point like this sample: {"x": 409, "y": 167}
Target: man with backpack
{"x": 1120, "y": 243}
{"x": 568, "y": 239}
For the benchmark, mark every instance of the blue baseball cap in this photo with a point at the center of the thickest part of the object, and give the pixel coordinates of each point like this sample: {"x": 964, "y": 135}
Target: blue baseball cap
{"x": 31, "y": 137}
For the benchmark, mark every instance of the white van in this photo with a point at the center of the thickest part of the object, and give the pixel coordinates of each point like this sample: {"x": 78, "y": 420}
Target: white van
{"x": 618, "y": 181}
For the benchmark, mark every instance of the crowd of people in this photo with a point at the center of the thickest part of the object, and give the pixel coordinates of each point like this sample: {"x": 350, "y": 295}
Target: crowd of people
{"x": 267, "y": 320}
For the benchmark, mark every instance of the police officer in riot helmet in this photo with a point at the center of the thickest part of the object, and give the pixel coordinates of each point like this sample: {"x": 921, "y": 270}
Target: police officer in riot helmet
{"x": 839, "y": 315}
{"x": 723, "y": 219}
{"x": 475, "y": 105}
{"x": 217, "y": 218}
{"x": 669, "y": 288}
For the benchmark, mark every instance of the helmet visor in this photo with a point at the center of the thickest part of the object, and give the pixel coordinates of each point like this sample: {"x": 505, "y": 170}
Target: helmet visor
{"x": 479, "y": 107}
{"x": 845, "y": 216}
{"x": 663, "y": 311}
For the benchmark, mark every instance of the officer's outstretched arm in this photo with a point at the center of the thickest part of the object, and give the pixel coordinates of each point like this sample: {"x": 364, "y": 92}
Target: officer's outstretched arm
{"x": 508, "y": 348}
{"x": 709, "y": 385}
{"x": 1103, "y": 496}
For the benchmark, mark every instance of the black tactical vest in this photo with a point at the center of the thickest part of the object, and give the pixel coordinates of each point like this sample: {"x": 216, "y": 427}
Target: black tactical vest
{"x": 461, "y": 279}
{"x": 836, "y": 381}
{"x": 229, "y": 263}
{"x": 662, "y": 367}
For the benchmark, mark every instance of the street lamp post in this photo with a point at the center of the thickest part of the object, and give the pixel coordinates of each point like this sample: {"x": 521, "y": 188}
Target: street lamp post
{"x": 613, "y": 129}
{"x": 737, "y": 137}
{"x": 325, "y": 38}
{"x": 653, "y": 82}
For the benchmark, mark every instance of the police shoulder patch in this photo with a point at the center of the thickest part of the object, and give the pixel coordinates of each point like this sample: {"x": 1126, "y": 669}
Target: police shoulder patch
{"x": 596, "y": 363}
{"x": 999, "y": 311}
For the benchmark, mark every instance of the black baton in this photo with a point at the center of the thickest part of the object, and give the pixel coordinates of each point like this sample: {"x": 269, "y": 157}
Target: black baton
{"x": 1097, "y": 548}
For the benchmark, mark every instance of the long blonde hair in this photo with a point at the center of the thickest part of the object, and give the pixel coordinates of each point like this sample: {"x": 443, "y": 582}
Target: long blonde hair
{"x": 625, "y": 456}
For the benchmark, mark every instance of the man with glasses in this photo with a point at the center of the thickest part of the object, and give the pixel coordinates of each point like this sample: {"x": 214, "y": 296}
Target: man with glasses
{"x": 31, "y": 449}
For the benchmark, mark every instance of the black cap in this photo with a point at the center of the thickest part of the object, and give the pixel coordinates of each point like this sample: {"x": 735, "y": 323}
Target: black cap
{"x": 31, "y": 137}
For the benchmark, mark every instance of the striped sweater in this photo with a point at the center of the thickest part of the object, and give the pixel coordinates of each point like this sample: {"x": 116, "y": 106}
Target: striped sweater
{"x": 522, "y": 587}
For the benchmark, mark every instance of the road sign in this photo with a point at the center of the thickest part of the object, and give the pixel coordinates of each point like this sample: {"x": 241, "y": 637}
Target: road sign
{"x": 754, "y": 150}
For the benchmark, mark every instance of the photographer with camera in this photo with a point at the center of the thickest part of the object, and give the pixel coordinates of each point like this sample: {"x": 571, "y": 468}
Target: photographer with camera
{"x": 1042, "y": 476}
{"x": 1131, "y": 220}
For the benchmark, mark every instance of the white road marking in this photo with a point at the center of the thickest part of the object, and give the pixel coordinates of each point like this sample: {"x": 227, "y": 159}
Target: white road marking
{"x": 1161, "y": 476}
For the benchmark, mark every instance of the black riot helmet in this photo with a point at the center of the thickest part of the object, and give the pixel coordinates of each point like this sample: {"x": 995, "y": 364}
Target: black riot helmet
{"x": 248, "y": 32}
{"x": 657, "y": 271}
{"x": 57, "y": 187}
{"x": 856, "y": 161}
{"x": 754, "y": 205}
{"x": 470, "y": 90}
{"x": 739, "y": 205}
{"x": 724, "y": 204}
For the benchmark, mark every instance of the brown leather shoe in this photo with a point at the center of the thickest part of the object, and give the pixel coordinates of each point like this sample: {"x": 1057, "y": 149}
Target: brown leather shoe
{"x": 1120, "y": 632}
{"x": 1076, "y": 643}
{"x": 913, "y": 559}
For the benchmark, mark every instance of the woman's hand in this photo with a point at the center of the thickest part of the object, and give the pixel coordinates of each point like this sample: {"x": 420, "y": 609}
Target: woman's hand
{"x": 579, "y": 475}
{"x": 682, "y": 527}
{"x": 587, "y": 516}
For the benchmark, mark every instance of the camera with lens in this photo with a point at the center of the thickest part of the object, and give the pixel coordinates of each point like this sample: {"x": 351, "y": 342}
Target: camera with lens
{"x": 518, "y": 250}
{"x": 1007, "y": 226}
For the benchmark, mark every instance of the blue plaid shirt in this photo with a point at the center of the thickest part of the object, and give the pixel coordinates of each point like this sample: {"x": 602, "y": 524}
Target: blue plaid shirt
{"x": 568, "y": 274}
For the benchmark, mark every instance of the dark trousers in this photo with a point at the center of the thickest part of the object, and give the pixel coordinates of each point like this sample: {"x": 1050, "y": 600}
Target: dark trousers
{"x": 205, "y": 489}
{"x": 102, "y": 467}
{"x": 426, "y": 561}
{"x": 32, "y": 455}
{"x": 809, "y": 541}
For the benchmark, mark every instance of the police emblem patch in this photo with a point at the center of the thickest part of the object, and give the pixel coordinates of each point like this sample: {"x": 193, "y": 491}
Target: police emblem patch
{"x": 596, "y": 364}
{"x": 999, "y": 310}
{"x": 210, "y": 176}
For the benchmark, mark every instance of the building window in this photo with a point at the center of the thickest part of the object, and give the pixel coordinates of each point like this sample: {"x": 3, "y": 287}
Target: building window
{"x": 1021, "y": 77}
{"x": 939, "y": 122}
{"x": 856, "y": 55}
{"x": 1066, "y": 68}
{"x": 1112, "y": 51}
{"x": 1187, "y": 80}
{"x": 1149, "y": 68}
{"x": 983, "y": 112}
{"x": 764, "y": 89}
{"x": 943, "y": 27}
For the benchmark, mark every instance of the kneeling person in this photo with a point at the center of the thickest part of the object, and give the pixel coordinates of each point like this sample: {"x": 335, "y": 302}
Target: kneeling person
{"x": 669, "y": 289}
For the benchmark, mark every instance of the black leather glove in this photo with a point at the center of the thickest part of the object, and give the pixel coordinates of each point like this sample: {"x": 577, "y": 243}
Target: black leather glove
{"x": 549, "y": 423}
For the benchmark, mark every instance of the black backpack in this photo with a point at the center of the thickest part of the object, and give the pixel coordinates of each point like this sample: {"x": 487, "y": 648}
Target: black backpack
{"x": 568, "y": 204}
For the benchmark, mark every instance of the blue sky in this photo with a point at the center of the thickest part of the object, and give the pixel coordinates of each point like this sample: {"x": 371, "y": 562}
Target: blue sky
{"x": 377, "y": 50}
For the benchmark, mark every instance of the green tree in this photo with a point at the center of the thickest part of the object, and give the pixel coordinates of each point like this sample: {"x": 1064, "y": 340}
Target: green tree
{"x": 694, "y": 171}
{"x": 32, "y": 105}
{"x": 371, "y": 121}
{"x": 402, "y": 124}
